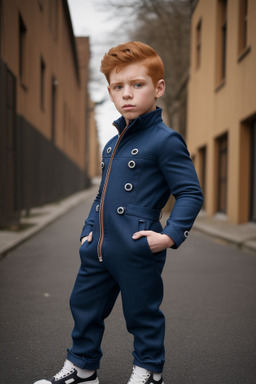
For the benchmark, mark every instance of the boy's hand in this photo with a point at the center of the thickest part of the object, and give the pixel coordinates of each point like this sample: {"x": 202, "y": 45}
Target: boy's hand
{"x": 87, "y": 238}
{"x": 157, "y": 242}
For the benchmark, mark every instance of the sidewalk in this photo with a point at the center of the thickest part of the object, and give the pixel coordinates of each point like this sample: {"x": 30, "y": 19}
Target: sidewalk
{"x": 243, "y": 235}
{"x": 40, "y": 217}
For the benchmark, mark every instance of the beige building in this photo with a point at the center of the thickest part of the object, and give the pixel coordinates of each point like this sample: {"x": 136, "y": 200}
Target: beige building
{"x": 93, "y": 145}
{"x": 45, "y": 139}
{"x": 221, "y": 122}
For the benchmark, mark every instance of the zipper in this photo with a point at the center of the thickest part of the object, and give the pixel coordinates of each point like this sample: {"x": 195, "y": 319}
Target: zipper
{"x": 104, "y": 193}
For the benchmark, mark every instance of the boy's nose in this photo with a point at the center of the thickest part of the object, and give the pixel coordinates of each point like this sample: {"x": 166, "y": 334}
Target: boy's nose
{"x": 127, "y": 94}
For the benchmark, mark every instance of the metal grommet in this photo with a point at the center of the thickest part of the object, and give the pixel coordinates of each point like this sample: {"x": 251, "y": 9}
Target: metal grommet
{"x": 186, "y": 233}
{"x": 102, "y": 165}
{"x": 131, "y": 164}
{"x": 109, "y": 149}
{"x": 120, "y": 210}
{"x": 134, "y": 151}
{"x": 128, "y": 187}
{"x": 97, "y": 208}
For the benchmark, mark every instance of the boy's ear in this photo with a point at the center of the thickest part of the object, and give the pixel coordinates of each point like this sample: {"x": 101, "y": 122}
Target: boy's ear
{"x": 109, "y": 91}
{"x": 160, "y": 88}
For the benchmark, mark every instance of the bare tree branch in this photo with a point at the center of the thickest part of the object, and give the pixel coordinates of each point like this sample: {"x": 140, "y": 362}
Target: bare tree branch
{"x": 165, "y": 25}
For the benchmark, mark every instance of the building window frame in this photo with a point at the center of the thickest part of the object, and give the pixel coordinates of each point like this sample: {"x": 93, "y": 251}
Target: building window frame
{"x": 42, "y": 83}
{"x": 54, "y": 18}
{"x": 222, "y": 172}
{"x": 198, "y": 43}
{"x": 202, "y": 152}
{"x": 22, "y": 52}
{"x": 242, "y": 26}
{"x": 221, "y": 46}
{"x": 41, "y": 4}
{"x": 253, "y": 173}
{"x": 54, "y": 85}
{"x": 243, "y": 48}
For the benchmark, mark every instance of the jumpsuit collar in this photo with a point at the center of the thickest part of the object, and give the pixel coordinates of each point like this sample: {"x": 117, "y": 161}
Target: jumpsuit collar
{"x": 141, "y": 122}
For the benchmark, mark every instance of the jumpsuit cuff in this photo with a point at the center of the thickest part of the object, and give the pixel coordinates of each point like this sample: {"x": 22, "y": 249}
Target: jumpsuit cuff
{"x": 175, "y": 236}
{"x": 82, "y": 362}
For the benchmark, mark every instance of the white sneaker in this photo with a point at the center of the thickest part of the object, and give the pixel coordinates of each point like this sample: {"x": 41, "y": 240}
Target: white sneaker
{"x": 69, "y": 374}
{"x": 142, "y": 376}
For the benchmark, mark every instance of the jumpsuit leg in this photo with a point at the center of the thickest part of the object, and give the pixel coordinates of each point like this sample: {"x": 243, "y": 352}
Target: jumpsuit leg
{"x": 92, "y": 299}
{"x": 144, "y": 319}
{"x": 142, "y": 293}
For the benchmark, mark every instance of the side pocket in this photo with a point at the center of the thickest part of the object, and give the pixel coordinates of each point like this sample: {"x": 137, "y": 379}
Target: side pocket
{"x": 141, "y": 225}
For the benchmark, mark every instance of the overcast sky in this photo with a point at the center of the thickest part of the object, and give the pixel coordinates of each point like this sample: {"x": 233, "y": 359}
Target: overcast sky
{"x": 104, "y": 31}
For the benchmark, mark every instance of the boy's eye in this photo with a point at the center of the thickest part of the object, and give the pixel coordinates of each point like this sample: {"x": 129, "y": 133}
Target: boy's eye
{"x": 117, "y": 87}
{"x": 137, "y": 85}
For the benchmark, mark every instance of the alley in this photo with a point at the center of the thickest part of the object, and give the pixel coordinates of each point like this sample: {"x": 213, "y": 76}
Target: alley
{"x": 209, "y": 305}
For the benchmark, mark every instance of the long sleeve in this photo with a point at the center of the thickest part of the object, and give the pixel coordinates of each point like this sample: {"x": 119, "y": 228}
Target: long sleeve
{"x": 89, "y": 222}
{"x": 179, "y": 172}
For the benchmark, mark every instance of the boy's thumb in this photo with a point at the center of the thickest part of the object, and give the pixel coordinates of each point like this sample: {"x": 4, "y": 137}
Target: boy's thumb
{"x": 89, "y": 239}
{"x": 139, "y": 234}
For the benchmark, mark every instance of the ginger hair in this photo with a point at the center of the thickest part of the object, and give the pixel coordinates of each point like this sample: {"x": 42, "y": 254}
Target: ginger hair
{"x": 133, "y": 52}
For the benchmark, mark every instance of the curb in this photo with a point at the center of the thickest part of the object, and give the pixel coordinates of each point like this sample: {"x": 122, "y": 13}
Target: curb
{"x": 229, "y": 233}
{"x": 41, "y": 217}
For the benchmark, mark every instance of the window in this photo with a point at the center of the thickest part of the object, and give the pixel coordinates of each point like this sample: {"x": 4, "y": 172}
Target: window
{"x": 202, "y": 168}
{"x": 247, "y": 170}
{"x": 41, "y": 4}
{"x": 242, "y": 26}
{"x": 22, "y": 51}
{"x": 53, "y": 17}
{"x": 9, "y": 213}
{"x": 53, "y": 104}
{"x": 198, "y": 43}
{"x": 42, "y": 83}
{"x": 253, "y": 172}
{"x": 222, "y": 182}
{"x": 221, "y": 40}
{"x": 65, "y": 118}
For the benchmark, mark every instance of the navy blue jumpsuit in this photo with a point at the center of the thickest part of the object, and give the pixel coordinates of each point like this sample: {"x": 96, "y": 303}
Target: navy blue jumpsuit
{"x": 141, "y": 166}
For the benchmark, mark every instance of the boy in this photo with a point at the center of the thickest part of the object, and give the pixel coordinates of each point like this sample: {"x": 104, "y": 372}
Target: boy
{"x": 123, "y": 243}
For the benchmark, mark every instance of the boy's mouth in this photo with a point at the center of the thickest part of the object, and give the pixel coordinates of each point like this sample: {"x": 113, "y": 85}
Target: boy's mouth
{"x": 128, "y": 107}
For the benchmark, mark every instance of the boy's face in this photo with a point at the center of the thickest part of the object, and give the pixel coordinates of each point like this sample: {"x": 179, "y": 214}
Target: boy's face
{"x": 133, "y": 92}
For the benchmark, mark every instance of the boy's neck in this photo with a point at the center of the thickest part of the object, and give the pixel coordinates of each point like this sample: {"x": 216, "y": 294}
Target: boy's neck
{"x": 128, "y": 122}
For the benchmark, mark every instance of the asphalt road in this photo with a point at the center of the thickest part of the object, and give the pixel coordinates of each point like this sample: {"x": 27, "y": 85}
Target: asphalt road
{"x": 210, "y": 307}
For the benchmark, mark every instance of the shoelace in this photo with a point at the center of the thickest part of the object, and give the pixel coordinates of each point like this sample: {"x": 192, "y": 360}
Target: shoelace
{"x": 138, "y": 379}
{"x": 65, "y": 371}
